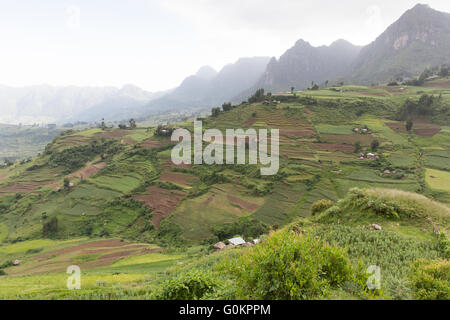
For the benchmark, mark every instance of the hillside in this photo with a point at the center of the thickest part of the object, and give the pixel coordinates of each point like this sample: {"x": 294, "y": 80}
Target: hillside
{"x": 93, "y": 186}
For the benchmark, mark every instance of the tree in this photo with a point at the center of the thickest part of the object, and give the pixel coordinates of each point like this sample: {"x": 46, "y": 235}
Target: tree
{"x": 66, "y": 183}
{"x": 258, "y": 96}
{"x": 444, "y": 71}
{"x": 132, "y": 123}
{"x": 49, "y": 229}
{"x": 326, "y": 83}
{"x": 357, "y": 146}
{"x": 215, "y": 111}
{"x": 103, "y": 125}
{"x": 227, "y": 106}
{"x": 409, "y": 125}
{"x": 292, "y": 89}
{"x": 374, "y": 145}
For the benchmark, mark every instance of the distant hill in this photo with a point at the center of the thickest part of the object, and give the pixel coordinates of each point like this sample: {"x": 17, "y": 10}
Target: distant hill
{"x": 49, "y": 104}
{"x": 207, "y": 88}
{"x": 420, "y": 38}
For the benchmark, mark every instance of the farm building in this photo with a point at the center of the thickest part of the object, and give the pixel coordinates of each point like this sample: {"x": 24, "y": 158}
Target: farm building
{"x": 236, "y": 241}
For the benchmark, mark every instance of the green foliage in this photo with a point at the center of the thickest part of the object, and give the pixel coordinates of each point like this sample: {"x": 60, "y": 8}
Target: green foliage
{"x": 215, "y": 112}
{"x": 227, "y": 106}
{"x": 444, "y": 245}
{"x": 74, "y": 158}
{"x": 3, "y": 273}
{"x": 193, "y": 285}
{"x": 320, "y": 206}
{"x": 169, "y": 233}
{"x": 426, "y": 106}
{"x": 258, "y": 96}
{"x": 382, "y": 248}
{"x": 163, "y": 131}
{"x": 50, "y": 228}
{"x": 245, "y": 226}
{"x": 291, "y": 266}
{"x": 430, "y": 279}
{"x": 6, "y": 264}
{"x": 374, "y": 145}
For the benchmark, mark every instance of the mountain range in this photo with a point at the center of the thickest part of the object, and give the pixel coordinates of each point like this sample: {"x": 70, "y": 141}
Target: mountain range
{"x": 49, "y": 104}
{"x": 419, "y": 39}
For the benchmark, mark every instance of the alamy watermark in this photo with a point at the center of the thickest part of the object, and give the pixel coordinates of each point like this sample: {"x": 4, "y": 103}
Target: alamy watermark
{"x": 74, "y": 280}
{"x": 257, "y": 143}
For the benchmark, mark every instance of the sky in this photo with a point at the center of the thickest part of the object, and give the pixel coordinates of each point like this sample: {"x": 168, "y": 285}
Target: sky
{"x": 155, "y": 44}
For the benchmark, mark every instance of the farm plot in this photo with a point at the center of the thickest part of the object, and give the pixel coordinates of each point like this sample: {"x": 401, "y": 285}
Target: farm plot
{"x": 161, "y": 201}
{"x": 438, "y": 159}
{"x": 87, "y": 255}
{"x": 438, "y": 179}
{"x": 222, "y": 204}
{"x": 421, "y": 127}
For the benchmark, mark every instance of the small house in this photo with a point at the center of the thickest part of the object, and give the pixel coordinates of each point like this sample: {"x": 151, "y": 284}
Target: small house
{"x": 236, "y": 241}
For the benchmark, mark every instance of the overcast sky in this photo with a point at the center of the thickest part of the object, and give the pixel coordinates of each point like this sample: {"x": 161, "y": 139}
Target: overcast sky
{"x": 155, "y": 44}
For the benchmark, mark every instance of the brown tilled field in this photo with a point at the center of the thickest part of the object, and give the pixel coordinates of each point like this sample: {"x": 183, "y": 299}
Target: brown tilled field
{"x": 153, "y": 143}
{"x": 112, "y": 134}
{"x": 243, "y": 204}
{"x": 421, "y": 127}
{"x": 177, "y": 178}
{"x": 25, "y": 186}
{"x": 109, "y": 252}
{"x": 161, "y": 201}
{"x": 88, "y": 171}
{"x": 441, "y": 83}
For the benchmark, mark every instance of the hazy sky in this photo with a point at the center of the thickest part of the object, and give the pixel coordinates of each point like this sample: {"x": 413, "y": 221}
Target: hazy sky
{"x": 155, "y": 44}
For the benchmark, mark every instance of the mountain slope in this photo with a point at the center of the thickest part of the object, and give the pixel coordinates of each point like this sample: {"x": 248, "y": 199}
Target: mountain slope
{"x": 420, "y": 38}
{"x": 303, "y": 63}
{"x": 206, "y": 89}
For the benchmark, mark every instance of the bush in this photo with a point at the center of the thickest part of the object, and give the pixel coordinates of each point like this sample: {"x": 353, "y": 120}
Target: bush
{"x": 430, "y": 279}
{"x": 245, "y": 226}
{"x": 50, "y": 229}
{"x": 290, "y": 266}
{"x": 3, "y": 273}
{"x": 330, "y": 212}
{"x": 6, "y": 264}
{"x": 320, "y": 206}
{"x": 192, "y": 285}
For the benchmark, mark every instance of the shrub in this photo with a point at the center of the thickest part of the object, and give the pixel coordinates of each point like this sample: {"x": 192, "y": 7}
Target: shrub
{"x": 290, "y": 266}
{"x": 430, "y": 279}
{"x": 6, "y": 264}
{"x": 320, "y": 206}
{"x": 245, "y": 226}
{"x": 192, "y": 285}
{"x": 3, "y": 273}
{"x": 50, "y": 228}
{"x": 330, "y": 212}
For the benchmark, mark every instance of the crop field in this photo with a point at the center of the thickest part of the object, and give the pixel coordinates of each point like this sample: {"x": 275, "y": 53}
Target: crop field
{"x": 222, "y": 204}
{"x": 438, "y": 179}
